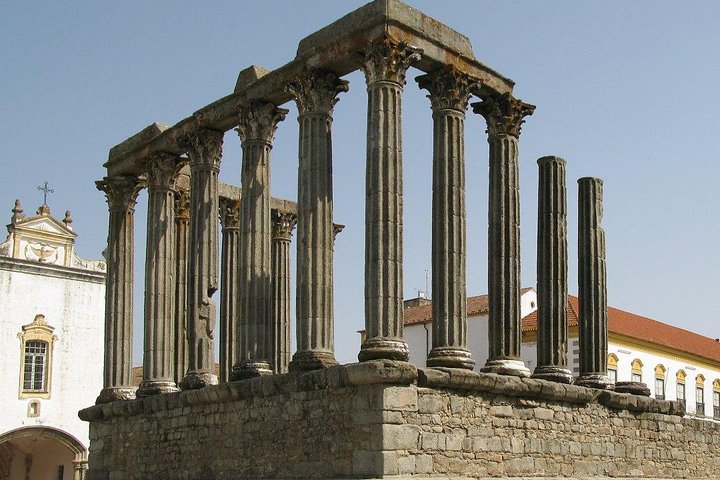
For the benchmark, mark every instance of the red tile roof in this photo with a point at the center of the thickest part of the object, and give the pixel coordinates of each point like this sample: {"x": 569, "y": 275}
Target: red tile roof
{"x": 642, "y": 328}
{"x": 477, "y": 305}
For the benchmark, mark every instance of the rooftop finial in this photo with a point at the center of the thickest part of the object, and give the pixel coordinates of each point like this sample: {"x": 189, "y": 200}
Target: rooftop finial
{"x": 67, "y": 221}
{"x": 17, "y": 212}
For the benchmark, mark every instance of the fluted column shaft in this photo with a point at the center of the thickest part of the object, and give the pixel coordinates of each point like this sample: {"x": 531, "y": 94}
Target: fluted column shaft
{"x": 504, "y": 116}
{"x": 182, "y": 234}
{"x": 230, "y": 221}
{"x": 592, "y": 286}
{"x": 205, "y": 153}
{"x": 449, "y": 94}
{"x": 257, "y": 125}
{"x": 315, "y": 94}
{"x": 121, "y": 195}
{"x": 385, "y": 65}
{"x": 552, "y": 272}
{"x": 159, "y": 278}
{"x": 283, "y": 224}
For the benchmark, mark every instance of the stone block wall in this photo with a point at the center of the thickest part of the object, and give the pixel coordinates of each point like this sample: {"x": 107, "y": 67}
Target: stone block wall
{"x": 388, "y": 419}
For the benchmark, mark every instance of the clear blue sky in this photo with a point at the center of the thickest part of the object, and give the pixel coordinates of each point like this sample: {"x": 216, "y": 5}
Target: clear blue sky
{"x": 625, "y": 91}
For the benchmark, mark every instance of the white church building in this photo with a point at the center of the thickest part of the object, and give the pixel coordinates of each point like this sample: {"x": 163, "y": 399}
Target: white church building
{"x": 51, "y": 347}
{"x": 673, "y": 362}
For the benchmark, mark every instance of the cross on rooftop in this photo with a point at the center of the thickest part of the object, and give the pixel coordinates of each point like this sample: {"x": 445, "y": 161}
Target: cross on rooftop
{"x": 45, "y": 189}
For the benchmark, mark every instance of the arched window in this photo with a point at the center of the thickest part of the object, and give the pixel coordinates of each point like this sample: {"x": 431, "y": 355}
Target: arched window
{"x": 660, "y": 382}
{"x": 612, "y": 367}
{"x": 680, "y": 386}
{"x": 636, "y": 375}
{"x": 716, "y": 399}
{"x": 36, "y": 342}
{"x": 700, "y": 394}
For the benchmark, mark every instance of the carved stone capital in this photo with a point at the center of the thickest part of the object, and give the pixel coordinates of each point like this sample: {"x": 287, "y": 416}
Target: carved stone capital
{"x": 121, "y": 192}
{"x": 449, "y": 88}
{"x": 387, "y": 60}
{"x": 182, "y": 206}
{"x": 504, "y": 114}
{"x": 316, "y": 92}
{"x": 162, "y": 171}
{"x": 283, "y": 224}
{"x": 229, "y": 213}
{"x": 204, "y": 148}
{"x": 258, "y": 121}
{"x": 337, "y": 228}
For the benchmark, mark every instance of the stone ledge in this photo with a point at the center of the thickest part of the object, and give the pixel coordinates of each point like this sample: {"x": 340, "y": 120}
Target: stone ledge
{"x": 530, "y": 388}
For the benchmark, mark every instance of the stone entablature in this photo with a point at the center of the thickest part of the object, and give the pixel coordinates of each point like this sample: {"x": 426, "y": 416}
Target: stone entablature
{"x": 384, "y": 418}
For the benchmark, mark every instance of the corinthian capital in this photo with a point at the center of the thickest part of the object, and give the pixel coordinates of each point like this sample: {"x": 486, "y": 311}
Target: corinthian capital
{"x": 162, "y": 170}
{"x": 204, "y": 148}
{"x": 258, "y": 121}
{"x": 229, "y": 213}
{"x": 449, "y": 88}
{"x": 283, "y": 224}
{"x": 182, "y": 206}
{"x": 316, "y": 91}
{"x": 387, "y": 60}
{"x": 121, "y": 192}
{"x": 504, "y": 114}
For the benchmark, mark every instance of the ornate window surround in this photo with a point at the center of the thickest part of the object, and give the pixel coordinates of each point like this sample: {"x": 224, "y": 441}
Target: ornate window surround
{"x": 37, "y": 330}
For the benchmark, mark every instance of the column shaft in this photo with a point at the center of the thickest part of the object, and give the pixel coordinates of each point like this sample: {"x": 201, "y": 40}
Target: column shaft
{"x": 283, "y": 224}
{"x": 117, "y": 372}
{"x": 449, "y": 94}
{"x": 315, "y": 95}
{"x": 205, "y": 152}
{"x": 504, "y": 117}
{"x": 592, "y": 286}
{"x": 385, "y": 66}
{"x": 230, "y": 220}
{"x": 182, "y": 233}
{"x": 159, "y": 278}
{"x": 257, "y": 126}
{"x": 552, "y": 272}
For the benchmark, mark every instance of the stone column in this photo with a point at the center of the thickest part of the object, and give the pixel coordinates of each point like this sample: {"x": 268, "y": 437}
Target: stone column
{"x": 592, "y": 286}
{"x": 504, "y": 115}
{"x": 159, "y": 277}
{"x": 552, "y": 273}
{"x": 385, "y": 64}
{"x": 182, "y": 232}
{"x": 205, "y": 152}
{"x": 283, "y": 224}
{"x": 315, "y": 94}
{"x": 121, "y": 195}
{"x": 449, "y": 94}
{"x": 230, "y": 221}
{"x": 256, "y": 128}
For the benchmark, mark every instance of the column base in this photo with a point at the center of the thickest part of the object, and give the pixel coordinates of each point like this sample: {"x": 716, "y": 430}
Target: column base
{"x": 155, "y": 387}
{"x": 378, "y": 348}
{"x": 595, "y": 380}
{"x": 506, "y": 366}
{"x": 634, "y": 388}
{"x": 450, "y": 357}
{"x": 312, "y": 360}
{"x": 195, "y": 379}
{"x": 553, "y": 374}
{"x": 111, "y": 394}
{"x": 249, "y": 369}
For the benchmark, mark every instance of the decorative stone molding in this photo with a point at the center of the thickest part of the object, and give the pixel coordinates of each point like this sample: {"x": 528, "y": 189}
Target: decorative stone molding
{"x": 37, "y": 330}
{"x": 258, "y": 121}
{"x": 316, "y": 92}
{"x": 449, "y": 88}
{"x": 504, "y": 114}
{"x": 387, "y": 60}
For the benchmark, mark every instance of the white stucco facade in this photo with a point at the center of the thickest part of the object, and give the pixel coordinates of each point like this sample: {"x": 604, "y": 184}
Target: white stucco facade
{"x": 48, "y": 296}
{"x": 655, "y": 361}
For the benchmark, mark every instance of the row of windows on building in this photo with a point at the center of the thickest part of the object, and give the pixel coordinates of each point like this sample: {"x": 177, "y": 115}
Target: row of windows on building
{"x": 680, "y": 389}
